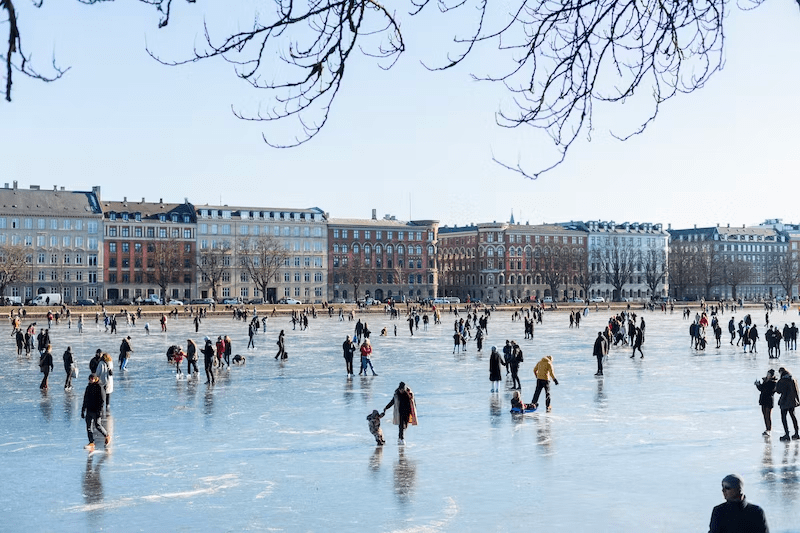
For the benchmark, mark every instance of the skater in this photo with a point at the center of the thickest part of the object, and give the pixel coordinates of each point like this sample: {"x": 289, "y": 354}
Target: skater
{"x": 732, "y": 329}
{"x": 637, "y": 340}
{"x": 600, "y": 351}
{"x": 251, "y": 332}
{"x": 366, "y": 352}
{"x": 124, "y": 352}
{"x": 191, "y": 357}
{"x": 753, "y": 336}
{"x": 495, "y": 374}
{"x": 281, "y": 346}
{"x": 208, "y": 360}
{"x": 220, "y": 352}
{"x": 405, "y": 410}
{"x": 765, "y": 398}
{"x": 178, "y": 359}
{"x": 69, "y": 363}
{"x": 93, "y": 400}
{"x": 789, "y": 400}
{"x": 105, "y": 374}
{"x": 374, "y": 420}
{"x": 228, "y": 350}
{"x": 516, "y": 360}
{"x": 348, "y": 349}
{"x": 736, "y": 514}
{"x": 543, "y": 372}
{"x": 46, "y": 365}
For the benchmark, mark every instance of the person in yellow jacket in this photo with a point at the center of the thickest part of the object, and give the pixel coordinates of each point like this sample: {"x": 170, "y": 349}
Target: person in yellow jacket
{"x": 543, "y": 372}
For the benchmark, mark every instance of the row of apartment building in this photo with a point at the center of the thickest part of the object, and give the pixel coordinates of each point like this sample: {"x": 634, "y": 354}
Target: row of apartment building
{"x": 85, "y": 247}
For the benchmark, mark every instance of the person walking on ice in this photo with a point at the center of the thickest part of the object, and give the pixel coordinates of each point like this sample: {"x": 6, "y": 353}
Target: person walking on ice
{"x": 93, "y": 400}
{"x": 405, "y": 410}
{"x": 789, "y": 400}
{"x": 543, "y": 372}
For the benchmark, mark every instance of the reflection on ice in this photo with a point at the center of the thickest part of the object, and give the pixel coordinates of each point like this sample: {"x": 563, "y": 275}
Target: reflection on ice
{"x": 284, "y": 445}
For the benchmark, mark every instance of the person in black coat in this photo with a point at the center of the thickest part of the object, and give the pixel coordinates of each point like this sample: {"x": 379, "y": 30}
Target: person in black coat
{"x": 208, "y": 360}
{"x": 600, "y": 350}
{"x": 348, "y": 349}
{"x": 93, "y": 400}
{"x": 765, "y": 398}
{"x": 69, "y": 360}
{"x": 46, "y": 365}
{"x": 495, "y": 362}
{"x": 736, "y": 514}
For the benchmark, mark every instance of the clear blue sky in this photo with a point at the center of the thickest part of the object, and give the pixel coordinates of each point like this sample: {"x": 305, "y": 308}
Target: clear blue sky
{"x": 405, "y": 141}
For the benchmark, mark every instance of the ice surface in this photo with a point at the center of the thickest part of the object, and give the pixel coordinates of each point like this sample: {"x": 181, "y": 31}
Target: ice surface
{"x": 284, "y": 446}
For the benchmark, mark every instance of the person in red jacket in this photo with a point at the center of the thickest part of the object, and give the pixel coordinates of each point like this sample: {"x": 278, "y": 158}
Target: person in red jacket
{"x": 366, "y": 352}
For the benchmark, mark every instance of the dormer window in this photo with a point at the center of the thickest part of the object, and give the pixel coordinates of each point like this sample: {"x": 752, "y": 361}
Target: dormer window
{"x": 125, "y": 217}
{"x": 112, "y": 216}
{"x": 162, "y": 218}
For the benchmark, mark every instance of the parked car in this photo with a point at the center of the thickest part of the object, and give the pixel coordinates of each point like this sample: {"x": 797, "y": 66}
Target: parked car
{"x": 548, "y": 299}
{"x": 232, "y": 301}
{"x": 290, "y": 301}
{"x": 175, "y": 302}
{"x": 153, "y": 299}
{"x": 87, "y": 301}
{"x": 255, "y": 301}
{"x": 576, "y": 300}
{"x": 597, "y": 299}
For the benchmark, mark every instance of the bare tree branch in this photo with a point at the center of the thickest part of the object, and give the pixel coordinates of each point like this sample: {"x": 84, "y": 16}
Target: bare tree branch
{"x": 558, "y": 60}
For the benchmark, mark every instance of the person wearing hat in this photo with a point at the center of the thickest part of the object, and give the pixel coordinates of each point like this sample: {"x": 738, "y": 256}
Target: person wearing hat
{"x": 765, "y": 398}
{"x": 736, "y": 514}
{"x": 405, "y": 409}
{"x": 93, "y": 400}
{"x": 495, "y": 374}
{"x": 789, "y": 400}
{"x": 543, "y": 372}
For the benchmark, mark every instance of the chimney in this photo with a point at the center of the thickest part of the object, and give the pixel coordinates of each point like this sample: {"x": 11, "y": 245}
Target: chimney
{"x": 161, "y": 200}
{"x": 142, "y": 199}
{"x": 55, "y": 187}
{"x": 124, "y": 199}
{"x": 15, "y": 184}
{"x": 374, "y": 214}
{"x": 96, "y": 191}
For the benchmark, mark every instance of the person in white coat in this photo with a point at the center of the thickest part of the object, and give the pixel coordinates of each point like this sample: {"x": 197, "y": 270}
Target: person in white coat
{"x": 106, "y": 374}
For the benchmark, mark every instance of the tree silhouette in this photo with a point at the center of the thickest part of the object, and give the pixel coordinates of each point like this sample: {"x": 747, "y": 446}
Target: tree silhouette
{"x": 558, "y": 60}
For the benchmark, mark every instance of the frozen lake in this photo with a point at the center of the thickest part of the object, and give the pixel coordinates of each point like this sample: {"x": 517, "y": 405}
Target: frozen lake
{"x": 284, "y": 446}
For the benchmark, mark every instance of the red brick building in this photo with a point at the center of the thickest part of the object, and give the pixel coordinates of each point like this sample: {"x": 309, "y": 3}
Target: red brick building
{"x": 145, "y": 242}
{"x": 380, "y": 259}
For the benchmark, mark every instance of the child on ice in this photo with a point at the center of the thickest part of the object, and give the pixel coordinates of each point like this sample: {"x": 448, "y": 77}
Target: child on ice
{"x": 516, "y": 402}
{"x": 374, "y": 420}
{"x": 178, "y": 359}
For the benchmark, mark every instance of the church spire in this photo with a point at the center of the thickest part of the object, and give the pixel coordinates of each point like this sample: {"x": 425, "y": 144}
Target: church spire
{"x": 512, "y": 217}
